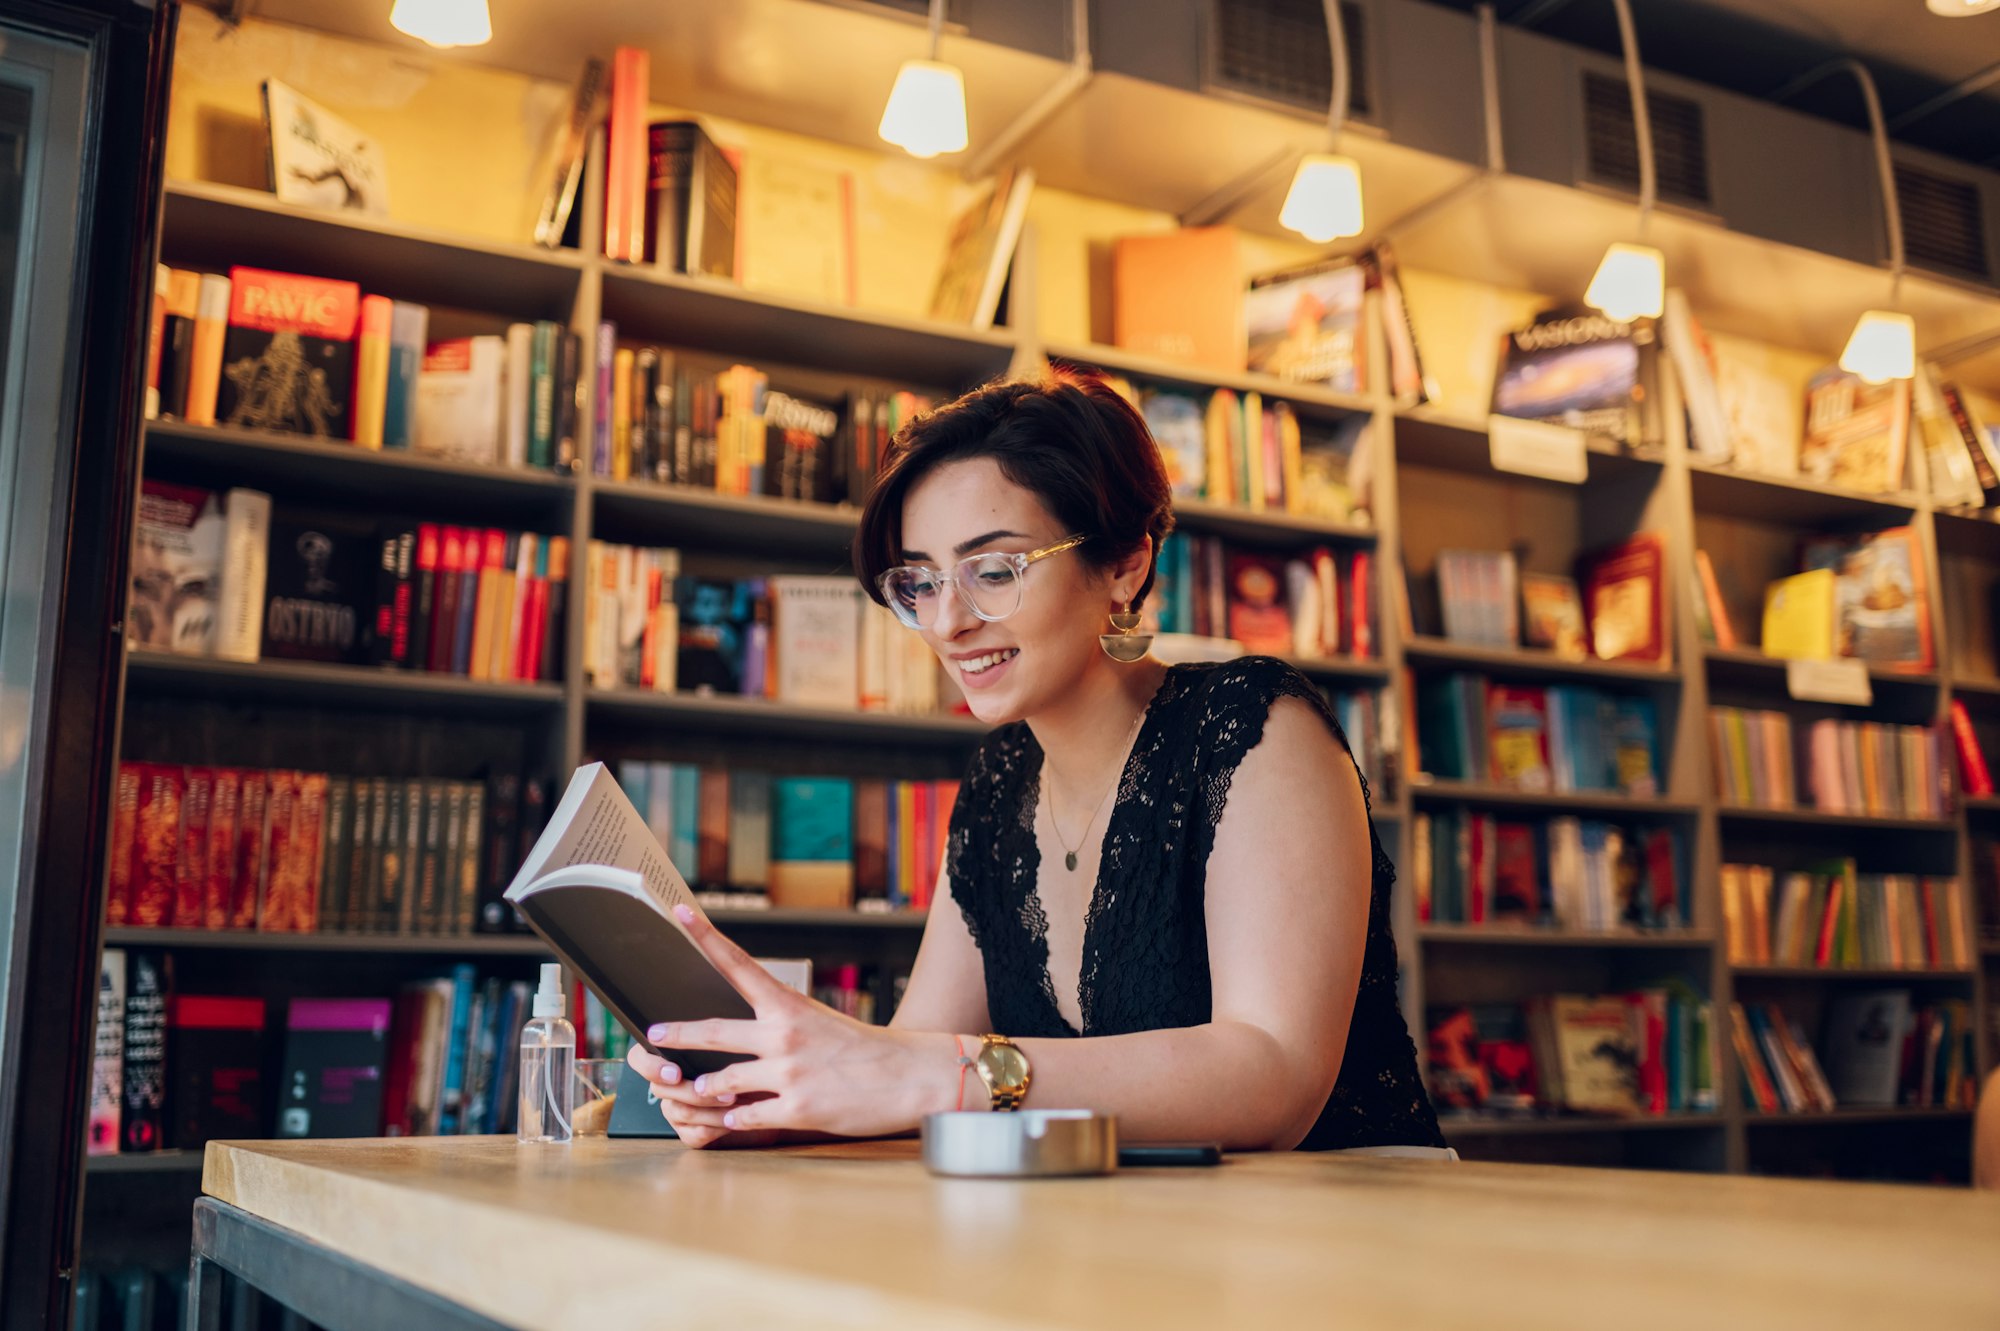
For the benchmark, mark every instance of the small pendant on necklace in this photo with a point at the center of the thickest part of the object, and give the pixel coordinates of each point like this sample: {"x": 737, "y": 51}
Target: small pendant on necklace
{"x": 1069, "y": 858}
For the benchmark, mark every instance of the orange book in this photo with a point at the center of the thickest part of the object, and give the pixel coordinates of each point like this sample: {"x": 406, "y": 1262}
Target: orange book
{"x": 308, "y": 850}
{"x": 211, "y": 323}
{"x": 371, "y": 371}
{"x": 905, "y": 886}
{"x": 276, "y": 912}
{"x": 191, "y": 863}
{"x": 1179, "y": 296}
{"x": 491, "y": 561}
{"x": 625, "y": 158}
{"x": 124, "y": 828}
{"x": 225, "y": 806}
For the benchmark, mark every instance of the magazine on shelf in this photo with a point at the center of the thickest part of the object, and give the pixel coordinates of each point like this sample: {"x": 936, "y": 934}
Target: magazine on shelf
{"x": 601, "y": 893}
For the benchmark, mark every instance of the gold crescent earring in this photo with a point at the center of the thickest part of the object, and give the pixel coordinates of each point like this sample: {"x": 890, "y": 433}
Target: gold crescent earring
{"x": 1127, "y": 644}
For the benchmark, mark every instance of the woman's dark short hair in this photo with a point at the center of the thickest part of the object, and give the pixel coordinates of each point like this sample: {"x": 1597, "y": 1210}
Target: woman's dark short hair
{"x": 1068, "y": 438}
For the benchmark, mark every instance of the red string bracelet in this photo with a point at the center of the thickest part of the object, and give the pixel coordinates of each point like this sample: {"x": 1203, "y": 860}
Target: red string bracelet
{"x": 964, "y": 1066}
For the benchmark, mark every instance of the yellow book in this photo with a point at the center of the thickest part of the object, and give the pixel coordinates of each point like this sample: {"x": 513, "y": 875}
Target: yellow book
{"x": 1223, "y": 421}
{"x": 211, "y": 325}
{"x": 371, "y": 371}
{"x": 906, "y": 841}
{"x": 1291, "y": 450}
{"x": 488, "y": 555}
{"x": 1798, "y": 617}
{"x": 1252, "y": 439}
{"x": 621, "y": 414}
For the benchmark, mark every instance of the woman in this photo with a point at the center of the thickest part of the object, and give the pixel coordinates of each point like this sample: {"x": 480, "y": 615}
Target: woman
{"x": 1174, "y": 864}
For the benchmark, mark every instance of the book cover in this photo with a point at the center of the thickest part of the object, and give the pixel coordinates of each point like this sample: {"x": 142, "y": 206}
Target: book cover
{"x": 1799, "y": 616}
{"x": 179, "y": 309}
{"x": 1305, "y": 324}
{"x": 320, "y": 586}
{"x": 794, "y": 228}
{"x": 119, "y": 854}
{"x": 1584, "y": 371}
{"x": 107, "y": 1059}
{"x": 409, "y": 329}
{"x": 690, "y": 204}
{"x": 1623, "y": 602}
{"x": 625, "y": 170}
{"x": 211, "y": 324}
{"x": 560, "y": 170}
{"x": 1863, "y": 1042}
{"x": 176, "y": 585}
{"x": 749, "y": 830}
{"x": 1333, "y": 468}
{"x": 812, "y": 842}
{"x": 335, "y": 1052}
{"x": 1517, "y": 744}
{"x": 817, "y": 629}
{"x": 1257, "y": 615}
{"x": 288, "y": 356}
{"x": 1713, "y": 610}
{"x": 461, "y": 399}
{"x": 979, "y": 251}
{"x": 1599, "y": 1049}
{"x": 715, "y": 620}
{"x": 246, "y": 538}
{"x": 371, "y": 371}
{"x": 1552, "y": 615}
{"x": 156, "y": 844}
{"x": 252, "y": 851}
{"x": 191, "y": 860}
{"x": 215, "y": 1064}
{"x": 1881, "y": 605}
{"x": 319, "y": 160}
{"x": 1856, "y": 433}
{"x": 1179, "y": 296}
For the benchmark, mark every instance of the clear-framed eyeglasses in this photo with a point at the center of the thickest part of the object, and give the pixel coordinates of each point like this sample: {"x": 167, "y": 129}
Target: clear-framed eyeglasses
{"x": 988, "y": 585}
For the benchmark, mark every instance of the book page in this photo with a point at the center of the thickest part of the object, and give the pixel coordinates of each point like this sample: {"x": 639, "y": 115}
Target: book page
{"x": 596, "y": 824}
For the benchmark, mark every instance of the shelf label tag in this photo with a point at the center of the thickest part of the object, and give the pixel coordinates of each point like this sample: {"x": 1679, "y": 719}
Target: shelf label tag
{"x": 1844, "y": 680}
{"x": 1538, "y": 448}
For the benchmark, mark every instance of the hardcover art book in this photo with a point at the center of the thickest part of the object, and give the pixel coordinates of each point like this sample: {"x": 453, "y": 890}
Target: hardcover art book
{"x": 1306, "y": 324}
{"x": 980, "y": 251}
{"x": 177, "y": 551}
{"x": 1586, "y": 371}
{"x": 320, "y": 584}
{"x": 1856, "y": 433}
{"x": 1881, "y": 614}
{"x": 1622, "y": 597}
{"x": 318, "y": 159}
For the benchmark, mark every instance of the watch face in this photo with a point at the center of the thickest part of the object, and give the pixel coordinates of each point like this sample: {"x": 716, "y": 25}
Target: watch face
{"x": 1009, "y": 1065}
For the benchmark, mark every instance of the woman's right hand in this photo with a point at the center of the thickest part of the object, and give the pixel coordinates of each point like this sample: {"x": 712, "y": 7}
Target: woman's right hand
{"x": 675, "y": 1094}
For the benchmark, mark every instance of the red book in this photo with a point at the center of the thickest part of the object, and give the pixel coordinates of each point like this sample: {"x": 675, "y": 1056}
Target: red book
{"x": 1823, "y": 951}
{"x": 924, "y": 871}
{"x": 1257, "y": 614}
{"x": 1622, "y": 600}
{"x": 191, "y": 866}
{"x": 625, "y": 158}
{"x": 1651, "y": 1011}
{"x": 275, "y": 914}
{"x": 1478, "y": 857}
{"x": 156, "y": 844}
{"x": 1361, "y": 629}
{"x": 309, "y": 836}
{"x": 252, "y": 846}
{"x": 534, "y": 612}
{"x": 225, "y": 805}
{"x": 399, "y": 1067}
{"x": 124, "y": 828}
{"x": 1933, "y": 952}
{"x": 549, "y": 645}
{"x": 1516, "y": 877}
{"x": 1971, "y": 762}
{"x": 444, "y": 620}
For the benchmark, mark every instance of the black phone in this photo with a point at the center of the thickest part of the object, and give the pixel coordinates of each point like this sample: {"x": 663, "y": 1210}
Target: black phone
{"x": 1143, "y": 1154}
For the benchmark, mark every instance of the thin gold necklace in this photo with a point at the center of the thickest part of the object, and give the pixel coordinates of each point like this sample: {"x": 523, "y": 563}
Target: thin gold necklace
{"x": 1069, "y": 856}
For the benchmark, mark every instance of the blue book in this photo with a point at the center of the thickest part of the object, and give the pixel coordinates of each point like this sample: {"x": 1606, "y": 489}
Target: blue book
{"x": 505, "y": 1056}
{"x": 451, "y": 1097}
{"x": 684, "y": 843}
{"x": 636, "y": 780}
{"x": 408, "y": 326}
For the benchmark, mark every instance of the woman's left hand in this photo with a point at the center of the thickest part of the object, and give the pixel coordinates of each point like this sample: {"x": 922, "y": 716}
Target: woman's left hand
{"x": 813, "y": 1069}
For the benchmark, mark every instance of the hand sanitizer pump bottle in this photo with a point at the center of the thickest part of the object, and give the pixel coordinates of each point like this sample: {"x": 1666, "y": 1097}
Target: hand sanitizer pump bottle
{"x": 548, "y": 1065}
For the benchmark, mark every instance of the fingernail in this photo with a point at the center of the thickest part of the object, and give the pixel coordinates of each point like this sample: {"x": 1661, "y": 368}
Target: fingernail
{"x": 729, "y": 1120}
{"x": 701, "y": 1085}
{"x": 657, "y": 1032}
{"x": 685, "y": 915}
{"x": 669, "y": 1073}
{"x": 725, "y": 1099}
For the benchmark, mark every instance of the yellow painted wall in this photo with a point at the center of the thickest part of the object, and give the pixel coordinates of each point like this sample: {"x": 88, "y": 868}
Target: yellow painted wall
{"x": 461, "y": 144}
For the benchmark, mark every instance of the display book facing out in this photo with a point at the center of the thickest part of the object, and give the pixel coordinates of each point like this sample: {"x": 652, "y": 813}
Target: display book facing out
{"x": 601, "y": 893}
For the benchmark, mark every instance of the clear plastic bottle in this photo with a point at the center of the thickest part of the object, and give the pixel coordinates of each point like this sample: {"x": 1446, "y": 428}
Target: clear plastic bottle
{"x": 548, "y": 1065}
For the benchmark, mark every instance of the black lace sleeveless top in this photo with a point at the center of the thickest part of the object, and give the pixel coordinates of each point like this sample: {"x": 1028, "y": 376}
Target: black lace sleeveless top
{"x": 1145, "y": 939}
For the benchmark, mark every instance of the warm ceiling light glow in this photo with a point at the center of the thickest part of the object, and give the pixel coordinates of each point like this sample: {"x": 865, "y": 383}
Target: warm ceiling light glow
{"x": 1631, "y": 283}
{"x": 926, "y": 111}
{"x": 1324, "y": 202}
{"x": 1883, "y": 347}
{"x": 1962, "y": 8}
{"x": 444, "y": 22}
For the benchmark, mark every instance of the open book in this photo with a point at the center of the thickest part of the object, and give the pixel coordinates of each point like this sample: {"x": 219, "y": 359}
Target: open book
{"x": 601, "y": 892}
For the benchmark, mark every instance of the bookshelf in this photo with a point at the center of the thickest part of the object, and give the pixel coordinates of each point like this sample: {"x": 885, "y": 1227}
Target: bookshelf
{"x": 1436, "y": 487}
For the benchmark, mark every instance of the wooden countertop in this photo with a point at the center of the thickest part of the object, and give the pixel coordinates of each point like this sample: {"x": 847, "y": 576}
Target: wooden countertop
{"x": 629, "y": 1234}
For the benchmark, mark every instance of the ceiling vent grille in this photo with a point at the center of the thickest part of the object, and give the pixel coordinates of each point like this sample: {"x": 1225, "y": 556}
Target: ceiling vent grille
{"x": 1611, "y": 144}
{"x": 1277, "y": 50}
{"x": 1944, "y": 224}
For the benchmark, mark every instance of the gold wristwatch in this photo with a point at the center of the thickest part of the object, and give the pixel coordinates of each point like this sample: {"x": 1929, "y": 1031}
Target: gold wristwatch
{"x": 1004, "y": 1069}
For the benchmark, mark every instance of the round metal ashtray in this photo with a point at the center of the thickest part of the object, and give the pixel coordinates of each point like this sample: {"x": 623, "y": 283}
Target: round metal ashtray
{"x": 1029, "y": 1143}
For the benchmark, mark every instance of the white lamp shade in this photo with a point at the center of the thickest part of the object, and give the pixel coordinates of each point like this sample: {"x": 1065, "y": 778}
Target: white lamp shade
{"x": 1324, "y": 202}
{"x": 1631, "y": 283}
{"x": 1882, "y": 347}
{"x": 444, "y": 22}
{"x": 1962, "y": 8}
{"x": 926, "y": 111}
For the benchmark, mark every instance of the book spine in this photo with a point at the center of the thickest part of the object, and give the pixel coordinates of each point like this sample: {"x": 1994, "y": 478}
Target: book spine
{"x": 107, "y": 1061}
{"x": 155, "y": 329}
{"x": 211, "y": 322}
{"x": 451, "y": 1098}
{"x": 143, "y": 1111}
{"x": 409, "y": 325}
{"x": 371, "y": 372}
{"x": 519, "y": 381}
{"x": 360, "y": 878}
{"x": 603, "y": 389}
{"x": 225, "y": 811}
{"x": 310, "y": 830}
{"x": 423, "y": 594}
{"x": 177, "y": 341}
{"x": 275, "y": 911}
{"x": 336, "y": 854}
{"x": 468, "y": 820}
{"x": 570, "y": 380}
{"x": 555, "y": 615}
{"x": 156, "y": 838}
{"x": 1971, "y": 761}
{"x": 542, "y": 372}
{"x": 239, "y": 634}
{"x": 430, "y": 839}
{"x": 124, "y": 840}
{"x": 625, "y": 173}
{"x": 499, "y": 838}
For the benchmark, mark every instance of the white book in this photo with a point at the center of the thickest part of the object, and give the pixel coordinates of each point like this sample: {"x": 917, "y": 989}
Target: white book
{"x": 459, "y": 399}
{"x": 107, "y": 1062}
{"x": 817, "y": 632}
{"x": 878, "y": 623}
{"x": 601, "y": 893}
{"x": 520, "y": 386}
{"x": 1708, "y": 423}
{"x": 239, "y": 632}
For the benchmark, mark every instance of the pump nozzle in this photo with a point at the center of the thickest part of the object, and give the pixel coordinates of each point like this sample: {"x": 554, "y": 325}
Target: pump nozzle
{"x": 549, "y": 998}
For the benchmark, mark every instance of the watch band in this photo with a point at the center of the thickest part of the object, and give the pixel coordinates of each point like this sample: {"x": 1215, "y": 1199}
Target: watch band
{"x": 1004, "y": 1069}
